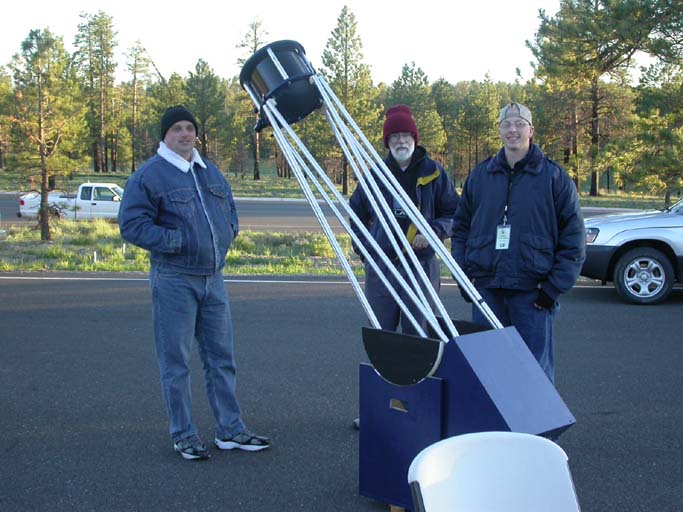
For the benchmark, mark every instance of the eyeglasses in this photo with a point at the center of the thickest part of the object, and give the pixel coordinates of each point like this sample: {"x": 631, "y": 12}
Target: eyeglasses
{"x": 519, "y": 124}
{"x": 395, "y": 137}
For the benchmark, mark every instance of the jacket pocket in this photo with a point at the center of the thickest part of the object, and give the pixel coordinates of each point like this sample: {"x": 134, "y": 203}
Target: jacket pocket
{"x": 479, "y": 255}
{"x": 220, "y": 194}
{"x": 182, "y": 202}
{"x": 223, "y": 217}
{"x": 183, "y": 206}
{"x": 537, "y": 254}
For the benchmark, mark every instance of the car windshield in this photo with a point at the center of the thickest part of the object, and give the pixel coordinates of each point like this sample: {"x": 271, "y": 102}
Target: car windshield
{"x": 677, "y": 208}
{"x": 119, "y": 191}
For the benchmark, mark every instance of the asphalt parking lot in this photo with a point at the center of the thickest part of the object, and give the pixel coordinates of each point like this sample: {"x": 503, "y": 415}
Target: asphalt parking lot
{"x": 84, "y": 427}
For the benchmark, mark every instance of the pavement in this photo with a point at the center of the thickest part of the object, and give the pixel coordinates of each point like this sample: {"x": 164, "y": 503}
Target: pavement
{"x": 84, "y": 427}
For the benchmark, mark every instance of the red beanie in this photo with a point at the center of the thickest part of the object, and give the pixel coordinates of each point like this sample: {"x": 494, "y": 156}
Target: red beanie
{"x": 399, "y": 119}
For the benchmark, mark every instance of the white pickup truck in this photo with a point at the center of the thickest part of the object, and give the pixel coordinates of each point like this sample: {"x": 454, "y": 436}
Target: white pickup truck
{"x": 92, "y": 201}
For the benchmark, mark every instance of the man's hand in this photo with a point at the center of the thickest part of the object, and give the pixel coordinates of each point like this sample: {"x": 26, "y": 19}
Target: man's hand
{"x": 543, "y": 301}
{"x": 420, "y": 242}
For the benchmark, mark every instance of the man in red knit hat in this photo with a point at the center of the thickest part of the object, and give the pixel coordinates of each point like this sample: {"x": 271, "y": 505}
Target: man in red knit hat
{"x": 430, "y": 189}
{"x": 428, "y": 185}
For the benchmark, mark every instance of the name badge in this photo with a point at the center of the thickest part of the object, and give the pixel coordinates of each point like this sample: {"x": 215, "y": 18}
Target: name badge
{"x": 502, "y": 238}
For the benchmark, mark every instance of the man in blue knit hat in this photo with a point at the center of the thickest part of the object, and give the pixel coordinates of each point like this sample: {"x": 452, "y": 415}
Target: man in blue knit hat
{"x": 180, "y": 208}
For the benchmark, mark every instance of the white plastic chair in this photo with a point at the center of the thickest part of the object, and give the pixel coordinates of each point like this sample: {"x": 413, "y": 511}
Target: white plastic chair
{"x": 492, "y": 472}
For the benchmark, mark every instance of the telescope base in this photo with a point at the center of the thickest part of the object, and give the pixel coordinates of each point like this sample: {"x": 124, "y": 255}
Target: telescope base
{"x": 487, "y": 381}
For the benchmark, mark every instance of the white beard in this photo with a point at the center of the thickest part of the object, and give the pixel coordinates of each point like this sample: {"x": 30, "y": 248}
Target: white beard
{"x": 403, "y": 153}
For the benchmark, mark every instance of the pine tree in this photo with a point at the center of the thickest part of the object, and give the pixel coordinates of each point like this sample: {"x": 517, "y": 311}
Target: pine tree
{"x": 206, "y": 100}
{"x": 47, "y": 108}
{"x": 412, "y": 89}
{"x": 588, "y": 40}
{"x": 96, "y": 43}
{"x": 251, "y": 42}
{"x": 138, "y": 64}
{"x": 350, "y": 79}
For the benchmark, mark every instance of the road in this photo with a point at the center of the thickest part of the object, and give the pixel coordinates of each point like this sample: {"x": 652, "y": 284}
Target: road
{"x": 258, "y": 214}
{"x": 84, "y": 428}
{"x": 255, "y": 214}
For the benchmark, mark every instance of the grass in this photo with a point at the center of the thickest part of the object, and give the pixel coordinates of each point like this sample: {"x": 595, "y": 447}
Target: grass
{"x": 621, "y": 200}
{"x": 96, "y": 246}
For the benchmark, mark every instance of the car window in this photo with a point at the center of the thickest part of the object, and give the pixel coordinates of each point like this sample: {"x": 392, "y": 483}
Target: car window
{"x": 103, "y": 194}
{"x": 86, "y": 193}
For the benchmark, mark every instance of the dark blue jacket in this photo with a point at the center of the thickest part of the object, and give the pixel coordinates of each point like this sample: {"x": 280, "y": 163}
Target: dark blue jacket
{"x": 187, "y": 225}
{"x": 547, "y": 237}
{"x": 434, "y": 196}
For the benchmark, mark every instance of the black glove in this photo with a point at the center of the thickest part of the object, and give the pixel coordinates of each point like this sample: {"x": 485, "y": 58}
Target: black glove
{"x": 544, "y": 301}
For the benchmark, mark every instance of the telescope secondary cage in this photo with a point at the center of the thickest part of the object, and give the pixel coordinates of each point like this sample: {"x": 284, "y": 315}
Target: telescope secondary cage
{"x": 280, "y": 70}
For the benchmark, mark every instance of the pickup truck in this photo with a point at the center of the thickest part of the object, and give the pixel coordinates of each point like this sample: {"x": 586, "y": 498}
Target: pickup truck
{"x": 92, "y": 201}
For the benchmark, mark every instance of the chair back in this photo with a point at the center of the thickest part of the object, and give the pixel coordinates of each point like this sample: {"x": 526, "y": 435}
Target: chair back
{"x": 492, "y": 472}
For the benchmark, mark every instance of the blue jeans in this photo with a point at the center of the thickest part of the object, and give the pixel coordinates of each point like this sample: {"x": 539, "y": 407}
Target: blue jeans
{"x": 535, "y": 326}
{"x": 187, "y": 308}
{"x": 387, "y": 311}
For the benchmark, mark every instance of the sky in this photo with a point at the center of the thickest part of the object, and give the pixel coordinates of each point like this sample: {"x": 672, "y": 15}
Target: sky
{"x": 454, "y": 40}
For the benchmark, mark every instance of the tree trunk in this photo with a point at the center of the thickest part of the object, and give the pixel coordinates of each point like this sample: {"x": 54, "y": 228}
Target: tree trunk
{"x": 595, "y": 139}
{"x": 257, "y": 172}
{"x": 106, "y": 152}
{"x": 100, "y": 135}
{"x": 115, "y": 152}
{"x": 97, "y": 165}
{"x": 134, "y": 128}
{"x": 44, "y": 211}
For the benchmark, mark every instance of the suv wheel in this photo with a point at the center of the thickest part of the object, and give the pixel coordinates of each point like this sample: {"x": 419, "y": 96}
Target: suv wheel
{"x": 643, "y": 275}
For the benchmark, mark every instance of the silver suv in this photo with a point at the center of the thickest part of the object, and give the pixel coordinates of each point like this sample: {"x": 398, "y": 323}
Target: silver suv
{"x": 642, "y": 253}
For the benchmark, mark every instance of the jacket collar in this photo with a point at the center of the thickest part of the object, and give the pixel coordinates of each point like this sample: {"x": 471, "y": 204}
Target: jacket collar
{"x": 531, "y": 163}
{"x": 178, "y": 161}
{"x": 419, "y": 155}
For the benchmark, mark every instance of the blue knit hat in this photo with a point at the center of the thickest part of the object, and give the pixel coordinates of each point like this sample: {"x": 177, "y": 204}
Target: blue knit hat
{"x": 175, "y": 114}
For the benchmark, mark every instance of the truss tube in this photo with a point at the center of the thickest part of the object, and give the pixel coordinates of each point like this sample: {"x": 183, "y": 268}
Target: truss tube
{"x": 272, "y": 112}
{"x": 416, "y": 217}
{"x": 384, "y": 213}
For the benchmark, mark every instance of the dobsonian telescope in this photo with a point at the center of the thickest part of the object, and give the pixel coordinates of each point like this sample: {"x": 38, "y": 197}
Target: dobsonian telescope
{"x": 457, "y": 378}
{"x": 285, "y": 89}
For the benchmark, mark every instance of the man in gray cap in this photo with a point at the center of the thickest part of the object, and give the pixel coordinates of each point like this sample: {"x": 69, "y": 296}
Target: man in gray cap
{"x": 180, "y": 208}
{"x": 519, "y": 235}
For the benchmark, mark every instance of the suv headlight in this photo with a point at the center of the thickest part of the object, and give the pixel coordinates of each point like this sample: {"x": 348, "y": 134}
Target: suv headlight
{"x": 591, "y": 235}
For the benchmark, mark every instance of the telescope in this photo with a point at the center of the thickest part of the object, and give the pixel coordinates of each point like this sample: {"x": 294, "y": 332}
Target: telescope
{"x": 451, "y": 377}
{"x": 285, "y": 89}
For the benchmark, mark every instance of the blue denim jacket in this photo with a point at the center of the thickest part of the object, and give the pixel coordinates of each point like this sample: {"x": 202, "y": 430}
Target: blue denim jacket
{"x": 187, "y": 220}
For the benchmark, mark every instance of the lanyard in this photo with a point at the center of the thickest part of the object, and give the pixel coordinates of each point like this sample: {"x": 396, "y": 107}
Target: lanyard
{"x": 507, "y": 198}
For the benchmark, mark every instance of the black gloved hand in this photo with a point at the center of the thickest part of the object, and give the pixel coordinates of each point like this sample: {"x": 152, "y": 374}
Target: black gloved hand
{"x": 544, "y": 301}
{"x": 467, "y": 298}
